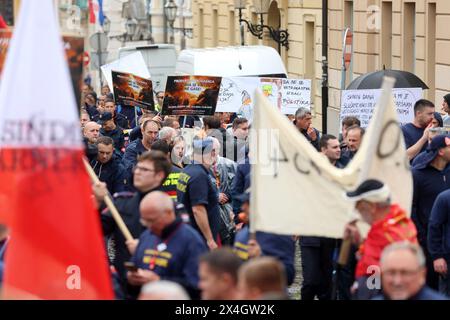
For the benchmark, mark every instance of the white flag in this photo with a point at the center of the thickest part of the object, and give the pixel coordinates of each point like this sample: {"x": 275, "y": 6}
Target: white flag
{"x": 296, "y": 190}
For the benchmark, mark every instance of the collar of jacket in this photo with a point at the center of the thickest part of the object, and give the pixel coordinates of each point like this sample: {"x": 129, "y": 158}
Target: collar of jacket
{"x": 171, "y": 228}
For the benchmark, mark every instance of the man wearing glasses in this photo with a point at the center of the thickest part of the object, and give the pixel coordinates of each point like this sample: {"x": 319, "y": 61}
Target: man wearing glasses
{"x": 151, "y": 170}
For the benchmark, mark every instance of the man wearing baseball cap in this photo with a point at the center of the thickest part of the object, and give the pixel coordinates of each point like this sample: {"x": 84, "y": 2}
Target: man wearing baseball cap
{"x": 431, "y": 177}
{"x": 389, "y": 223}
{"x": 199, "y": 194}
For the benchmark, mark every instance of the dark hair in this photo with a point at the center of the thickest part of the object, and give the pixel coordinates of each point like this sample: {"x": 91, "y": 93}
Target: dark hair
{"x": 238, "y": 121}
{"x": 159, "y": 160}
{"x": 351, "y": 121}
{"x": 438, "y": 118}
{"x": 107, "y": 141}
{"x": 212, "y": 122}
{"x": 422, "y": 104}
{"x": 361, "y": 130}
{"x": 160, "y": 145}
{"x": 223, "y": 260}
{"x": 323, "y": 143}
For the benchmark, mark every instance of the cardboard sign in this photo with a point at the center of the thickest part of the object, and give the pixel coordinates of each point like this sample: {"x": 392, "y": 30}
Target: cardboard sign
{"x": 131, "y": 90}
{"x": 191, "y": 95}
{"x": 361, "y": 103}
{"x": 296, "y": 93}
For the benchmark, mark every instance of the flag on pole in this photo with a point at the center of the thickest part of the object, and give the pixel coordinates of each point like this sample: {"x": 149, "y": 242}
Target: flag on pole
{"x": 92, "y": 18}
{"x": 295, "y": 189}
{"x": 56, "y": 249}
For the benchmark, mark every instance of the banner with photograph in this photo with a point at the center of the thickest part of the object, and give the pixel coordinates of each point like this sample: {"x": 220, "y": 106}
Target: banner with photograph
{"x": 131, "y": 90}
{"x": 191, "y": 95}
{"x": 74, "y": 47}
{"x": 361, "y": 103}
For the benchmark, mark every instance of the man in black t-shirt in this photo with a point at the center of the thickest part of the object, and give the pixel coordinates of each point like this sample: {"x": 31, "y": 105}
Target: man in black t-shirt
{"x": 199, "y": 194}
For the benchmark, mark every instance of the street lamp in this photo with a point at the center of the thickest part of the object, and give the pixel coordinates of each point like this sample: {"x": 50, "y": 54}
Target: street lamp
{"x": 261, "y": 8}
{"x": 170, "y": 11}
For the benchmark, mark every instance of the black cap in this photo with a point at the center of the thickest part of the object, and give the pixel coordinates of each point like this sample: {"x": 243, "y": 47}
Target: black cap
{"x": 103, "y": 117}
{"x": 370, "y": 190}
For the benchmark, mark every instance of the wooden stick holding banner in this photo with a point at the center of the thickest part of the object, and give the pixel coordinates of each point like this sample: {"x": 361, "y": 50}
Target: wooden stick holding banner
{"x": 109, "y": 203}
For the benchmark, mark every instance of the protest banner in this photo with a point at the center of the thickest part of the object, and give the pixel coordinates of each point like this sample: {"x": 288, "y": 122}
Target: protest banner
{"x": 286, "y": 167}
{"x": 191, "y": 95}
{"x": 131, "y": 90}
{"x": 133, "y": 63}
{"x": 361, "y": 103}
{"x": 296, "y": 93}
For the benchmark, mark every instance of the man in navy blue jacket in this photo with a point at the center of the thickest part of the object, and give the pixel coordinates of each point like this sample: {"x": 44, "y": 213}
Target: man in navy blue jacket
{"x": 439, "y": 239}
{"x": 168, "y": 250}
{"x": 249, "y": 246}
{"x": 431, "y": 177}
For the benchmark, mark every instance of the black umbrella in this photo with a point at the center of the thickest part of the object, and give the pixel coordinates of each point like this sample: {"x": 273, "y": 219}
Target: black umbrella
{"x": 373, "y": 80}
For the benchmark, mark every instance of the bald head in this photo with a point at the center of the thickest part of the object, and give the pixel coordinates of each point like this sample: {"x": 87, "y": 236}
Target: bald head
{"x": 157, "y": 211}
{"x": 91, "y": 131}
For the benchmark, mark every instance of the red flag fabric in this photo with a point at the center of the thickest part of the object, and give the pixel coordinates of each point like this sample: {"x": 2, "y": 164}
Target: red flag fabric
{"x": 56, "y": 249}
{"x": 91, "y": 12}
{"x": 3, "y": 24}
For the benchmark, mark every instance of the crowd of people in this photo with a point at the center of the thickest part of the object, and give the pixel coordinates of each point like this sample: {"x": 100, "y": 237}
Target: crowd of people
{"x": 188, "y": 213}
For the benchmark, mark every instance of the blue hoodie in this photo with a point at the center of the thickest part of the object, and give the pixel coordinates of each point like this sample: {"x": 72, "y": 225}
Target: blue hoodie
{"x": 273, "y": 245}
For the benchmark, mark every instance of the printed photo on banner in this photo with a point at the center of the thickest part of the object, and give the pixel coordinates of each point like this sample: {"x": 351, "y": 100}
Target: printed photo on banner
{"x": 191, "y": 95}
{"x": 131, "y": 90}
{"x": 74, "y": 47}
{"x": 361, "y": 103}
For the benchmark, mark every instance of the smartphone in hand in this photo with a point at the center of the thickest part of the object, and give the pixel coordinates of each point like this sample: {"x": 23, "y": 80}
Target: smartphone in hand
{"x": 130, "y": 266}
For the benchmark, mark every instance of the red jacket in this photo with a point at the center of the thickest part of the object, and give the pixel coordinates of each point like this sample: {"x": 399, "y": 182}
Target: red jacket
{"x": 396, "y": 226}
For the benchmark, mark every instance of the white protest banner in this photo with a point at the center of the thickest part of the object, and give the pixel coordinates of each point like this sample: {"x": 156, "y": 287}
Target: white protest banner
{"x": 133, "y": 63}
{"x": 296, "y": 93}
{"x": 295, "y": 189}
{"x": 361, "y": 103}
{"x": 237, "y": 94}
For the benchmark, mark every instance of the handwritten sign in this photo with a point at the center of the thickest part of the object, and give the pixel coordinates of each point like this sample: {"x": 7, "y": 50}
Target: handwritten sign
{"x": 296, "y": 93}
{"x": 237, "y": 94}
{"x": 361, "y": 103}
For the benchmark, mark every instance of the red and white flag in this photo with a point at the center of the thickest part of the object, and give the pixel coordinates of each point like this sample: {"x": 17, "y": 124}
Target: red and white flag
{"x": 56, "y": 249}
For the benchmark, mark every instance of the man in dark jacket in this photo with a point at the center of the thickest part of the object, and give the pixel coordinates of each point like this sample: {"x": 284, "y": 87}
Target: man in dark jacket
{"x": 431, "y": 177}
{"x": 403, "y": 274}
{"x": 151, "y": 170}
{"x": 108, "y": 166}
{"x": 249, "y": 246}
{"x": 439, "y": 240}
{"x": 110, "y": 107}
{"x": 303, "y": 122}
{"x": 169, "y": 249}
{"x": 110, "y": 129}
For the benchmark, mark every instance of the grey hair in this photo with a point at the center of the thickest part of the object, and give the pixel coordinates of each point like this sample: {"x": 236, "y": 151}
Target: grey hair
{"x": 166, "y": 132}
{"x": 302, "y": 112}
{"x": 404, "y": 245}
{"x": 172, "y": 290}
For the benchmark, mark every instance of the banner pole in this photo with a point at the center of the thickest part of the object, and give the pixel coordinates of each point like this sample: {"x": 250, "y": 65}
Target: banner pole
{"x": 109, "y": 203}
